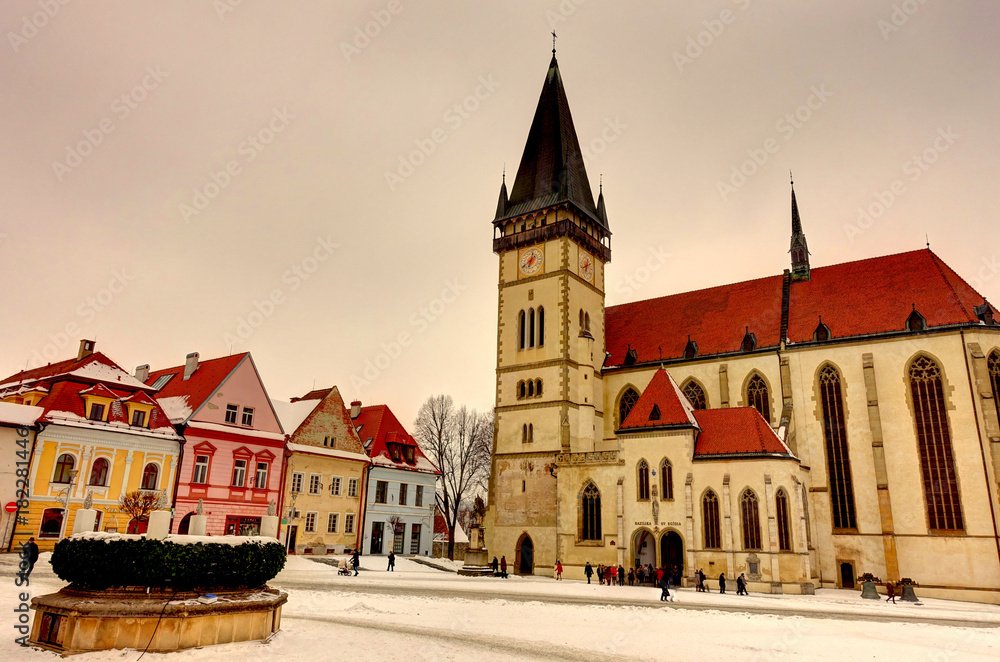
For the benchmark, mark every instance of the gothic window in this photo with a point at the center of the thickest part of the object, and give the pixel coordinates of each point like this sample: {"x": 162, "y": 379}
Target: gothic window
{"x": 643, "y": 480}
{"x": 710, "y": 520}
{"x": 757, "y": 396}
{"x": 993, "y": 364}
{"x": 520, "y": 330}
{"x": 520, "y": 390}
{"x": 625, "y": 404}
{"x": 666, "y": 480}
{"x": 695, "y": 394}
{"x": 531, "y": 389}
{"x": 538, "y": 387}
{"x": 541, "y": 326}
{"x": 524, "y": 433}
{"x": 937, "y": 463}
{"x": 750, "y": 511}
{"x": 531, "y": 327}
{"x": 99, "y": 472}
{"x": 838, "y": 461}
{"x": 784, "y": 530}
{"x": 531, "y": 432}
{"x": 654, "y": 414}
{"x": 64, "y": 466}
{"x": 590, "y": 511}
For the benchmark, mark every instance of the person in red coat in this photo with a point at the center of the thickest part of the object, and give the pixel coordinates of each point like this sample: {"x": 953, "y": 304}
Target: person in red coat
{"x": 503, "y": 567}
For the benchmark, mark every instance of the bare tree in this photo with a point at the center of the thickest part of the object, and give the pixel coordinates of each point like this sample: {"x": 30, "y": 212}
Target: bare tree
{"x": 459, "y": 442}
{"x": 138, "y": 504}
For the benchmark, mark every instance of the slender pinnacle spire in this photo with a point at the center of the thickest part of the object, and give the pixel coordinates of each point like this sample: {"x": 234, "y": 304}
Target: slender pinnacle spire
{"x": 799, "y": 249}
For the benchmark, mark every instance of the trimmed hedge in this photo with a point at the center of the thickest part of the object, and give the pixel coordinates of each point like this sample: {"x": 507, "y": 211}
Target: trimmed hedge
{"x": 98, "y": 564}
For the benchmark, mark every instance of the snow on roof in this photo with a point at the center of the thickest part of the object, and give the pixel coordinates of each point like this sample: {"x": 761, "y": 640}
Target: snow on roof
{"x": 292, "y": 414}
{"x": 72, "y": 419}
{"x": 176, "y": 408}
{"x": 330, "y": 452}
{"x": 107, "y": 373}
{"x": 20, "y": 415}
{"x": 235, "y": 429}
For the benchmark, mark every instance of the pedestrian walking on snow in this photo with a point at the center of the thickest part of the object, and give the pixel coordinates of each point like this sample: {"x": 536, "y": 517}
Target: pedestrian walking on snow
{"x": 621, "y": 575}
{"x": 588, "y": 571}
{"x": 392, "y": 562}
{"x": 631, "y": 576}
{"x": 496, "y": 566}
{"x": 890, "y": 590}
{"x": 503, "y": 567}
{"x": 29, "y": 555}
{"x": 665, "y": 588}
{"x": 356, "y": 561}
{"x": 558, "y": 570}
{"x": 722, "y": 583}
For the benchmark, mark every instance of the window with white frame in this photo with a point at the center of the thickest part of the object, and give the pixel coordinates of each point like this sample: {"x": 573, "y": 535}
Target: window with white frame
{"x": 310, "y": 522}
{"x": 349, "y": 523}
{"x": 352, "y": 487}
{"x": 402, "y": 493}
{"x": 331, "y": 523}
{"x": 248, "y": 416}
{"x": 262, "y": 471}
{"x": 239, "y": 473}
{"x": 381, "y": 491}
{"x": 335, "y": 482}
{"x": 200, "y": 470}
{"x": 315, "y": 483}
{"x": 231, "y": 413}
{"x": 297, "y": 479}
{"x": 418, "y": 500}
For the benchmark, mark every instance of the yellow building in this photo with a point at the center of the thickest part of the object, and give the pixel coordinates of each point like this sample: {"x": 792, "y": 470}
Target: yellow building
{"x": 325, "y": 473}
{"x": 101, "y": 435}
{"x": 878, "y": 377}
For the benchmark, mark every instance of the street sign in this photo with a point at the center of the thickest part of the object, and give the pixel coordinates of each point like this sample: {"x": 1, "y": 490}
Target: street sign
{"x": 11, "y": 507}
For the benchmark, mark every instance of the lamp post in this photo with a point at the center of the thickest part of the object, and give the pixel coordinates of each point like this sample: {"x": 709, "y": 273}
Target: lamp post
{"x": 69, "y": 492}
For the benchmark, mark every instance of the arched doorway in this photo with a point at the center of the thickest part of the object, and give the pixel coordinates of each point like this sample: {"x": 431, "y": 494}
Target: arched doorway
{"x": 672, "y": 552}
{"x": 185, "y": 525}
{"x": 525, "y": 561}
{"x": 643, "y": 548}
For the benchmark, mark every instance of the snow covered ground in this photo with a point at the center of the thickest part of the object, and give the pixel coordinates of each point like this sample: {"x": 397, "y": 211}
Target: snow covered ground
{"x": 421, "y": 613}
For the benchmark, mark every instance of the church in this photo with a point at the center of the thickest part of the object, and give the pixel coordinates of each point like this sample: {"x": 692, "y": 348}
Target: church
{"x": 802, "y": 428}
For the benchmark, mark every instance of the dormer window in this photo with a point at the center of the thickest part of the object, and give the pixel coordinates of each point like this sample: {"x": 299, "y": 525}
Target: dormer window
{"x": 139, "y": 419}
{"x": 822, "y": 332}
{"x": 985, "y": 313}
{"x": 655, "y": 414}
{"x": 749, "y": 343}
{"x": 691, "y": 350}
{"x": 631, "y": 357}
{"x": 916, "y": 321}
{"x": 394, "y": 452}
{"x": 411, "y": 455}
{"x": 96, "y": 412}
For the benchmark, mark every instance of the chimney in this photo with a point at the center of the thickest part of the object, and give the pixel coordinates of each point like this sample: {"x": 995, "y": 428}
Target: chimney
{"x": 86, "y": 349}
{"x": 355, "y": 409}
{"x": 190, "y": 365}
{"x": 142, "y": 372}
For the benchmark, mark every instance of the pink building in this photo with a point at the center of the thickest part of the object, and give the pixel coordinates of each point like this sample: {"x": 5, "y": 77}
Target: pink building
{"x": 233, "y": 453}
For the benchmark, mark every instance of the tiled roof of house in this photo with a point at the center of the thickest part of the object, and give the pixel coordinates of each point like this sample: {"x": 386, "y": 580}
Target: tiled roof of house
{"x": 736, "y": 431}
{"x": 200, "y": 385}
{"x": 378, "y": 424}
{"x": 858, "y": 298}
{"x": 662, "y": 404}
{"x": 65, "y": 404}
{"x": 92, "y": 368}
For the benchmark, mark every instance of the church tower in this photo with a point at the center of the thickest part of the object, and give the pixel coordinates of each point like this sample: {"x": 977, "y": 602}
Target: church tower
{"x": 798, "y": 248}
{"x": 553, "y": 242}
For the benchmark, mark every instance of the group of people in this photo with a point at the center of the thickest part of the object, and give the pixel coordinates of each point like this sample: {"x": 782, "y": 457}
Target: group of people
{"x": 700, "y": 585}
{"x": 499, "y": 567}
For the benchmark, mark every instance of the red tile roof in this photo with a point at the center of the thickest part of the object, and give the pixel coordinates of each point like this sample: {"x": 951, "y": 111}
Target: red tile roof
{"x": 878, "y": 295}
{"x": 716, "y": 319}
{"x": 202, "y": 382}
{"x": 664, "y": 394}
{"x": 93, "y": 368}
{"x": 735, "y": 431}
{"x": 65, "y": 403}
{"x": 869, "y": 296}
{"x": 381, "y": 426}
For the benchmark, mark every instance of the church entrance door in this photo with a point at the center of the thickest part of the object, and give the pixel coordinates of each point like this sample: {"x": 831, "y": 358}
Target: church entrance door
{"x": 672, "y": 551}
{"x": 644, "y": 547}
{"x": 525, "y": 561}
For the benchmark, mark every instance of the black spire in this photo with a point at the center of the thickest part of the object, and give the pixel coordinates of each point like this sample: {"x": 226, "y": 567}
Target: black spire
{"x": 552, "y": 170}
{"x": 799, "y": 249}
{"x": 502, "y": 202}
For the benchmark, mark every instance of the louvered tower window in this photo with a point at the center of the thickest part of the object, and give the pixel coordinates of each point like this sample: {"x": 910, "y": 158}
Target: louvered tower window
{"x": 937, "y": 463}
{"x": 710, "y": 520}
{"x": 838, "y": 461}
{"x": 750, "y": 511}
{"x": 757, "y": 397}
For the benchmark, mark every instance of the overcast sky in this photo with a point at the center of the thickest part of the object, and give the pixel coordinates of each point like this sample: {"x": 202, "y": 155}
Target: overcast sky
{"x": 233, "y": 176}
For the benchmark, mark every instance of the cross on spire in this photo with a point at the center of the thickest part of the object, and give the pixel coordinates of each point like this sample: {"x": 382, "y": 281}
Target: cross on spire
{"x": 553, "y": 42}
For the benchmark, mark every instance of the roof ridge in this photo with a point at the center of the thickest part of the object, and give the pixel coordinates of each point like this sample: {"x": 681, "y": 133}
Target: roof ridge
{"x": 938, "y": 262}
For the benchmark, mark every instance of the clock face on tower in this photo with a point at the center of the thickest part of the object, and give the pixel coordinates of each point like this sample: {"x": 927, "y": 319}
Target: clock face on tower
{"x": 587, "y": 266}
{"x": 530, "y": 261}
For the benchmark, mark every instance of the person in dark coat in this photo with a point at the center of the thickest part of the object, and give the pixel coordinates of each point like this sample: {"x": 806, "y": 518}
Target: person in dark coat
{"x": 503, "y": 567}
{"x": 621, "y": 575}
{"x": 600, "y": 573}
{"x": 665, "y": 588}
{"x": 631, "y": 576}
{"x": 701, "y": 580}
{"x": 29, "y": 553}
{"x": 722, "y": 583}
{"x": 890, "y": 591}
{"x": 496, "y": 567}
{"x": 589, "y": 571}
{"x": 356, "y": 561}
{"x": 392, "y": 562}
{"x": 741, "y": 585}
